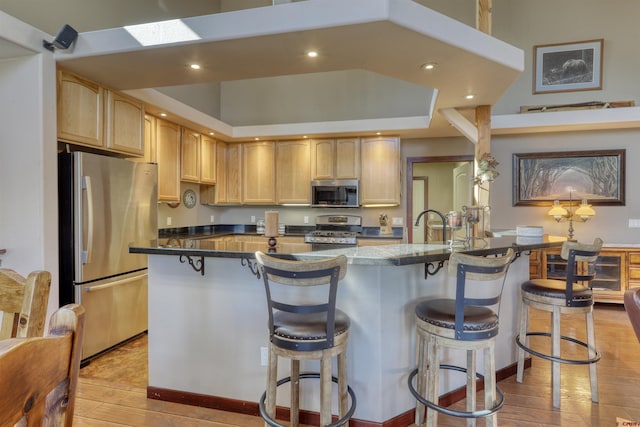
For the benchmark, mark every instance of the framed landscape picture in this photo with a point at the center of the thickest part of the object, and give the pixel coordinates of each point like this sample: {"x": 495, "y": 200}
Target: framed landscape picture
{"x": 567, "y": 67}
{"x": 541, "y": 178}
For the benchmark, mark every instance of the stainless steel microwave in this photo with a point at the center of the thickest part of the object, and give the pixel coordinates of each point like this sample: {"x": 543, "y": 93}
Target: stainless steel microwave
{"x": 338, "y": 193}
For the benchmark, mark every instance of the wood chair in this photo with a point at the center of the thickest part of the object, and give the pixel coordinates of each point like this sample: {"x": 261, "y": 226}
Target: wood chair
{"x": 306, "y": 328}
{"x": 468, "y": 322}
{"x": 632, "y": 305}
{"x": 23, "y": 303}
{"x": 40, "y": 374}
{"x": 571, "y": 295}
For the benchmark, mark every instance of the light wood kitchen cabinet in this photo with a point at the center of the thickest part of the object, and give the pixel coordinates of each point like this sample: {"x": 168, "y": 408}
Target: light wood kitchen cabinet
{"x": 80, "y": 105}
{"x": 633, "y": 274}
{"x": 150, "y": 138}
{"x": 293, "y": 175}
{"x": 168, "y": 158}
{"x": 228, "y": 166}
{"x": 207, "y": 160}
{"x": 124, "y": 124}
{"x": 190, "y": 156}
{"x": 380, "y": 175}
{"x": 335, "y": 159}
{"x": 258, "y": 173}
{"x": 94, "y": 116}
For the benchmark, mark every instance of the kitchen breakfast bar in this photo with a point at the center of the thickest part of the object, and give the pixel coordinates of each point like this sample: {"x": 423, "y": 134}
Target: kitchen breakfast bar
{"x": 208, "y": 323}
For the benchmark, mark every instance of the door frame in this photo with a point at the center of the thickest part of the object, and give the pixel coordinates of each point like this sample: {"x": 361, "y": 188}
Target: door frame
{"x": 409, "y": 177}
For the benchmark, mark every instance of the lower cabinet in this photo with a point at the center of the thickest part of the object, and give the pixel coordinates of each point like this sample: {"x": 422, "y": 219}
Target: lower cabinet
{"x": 617, "y": 269}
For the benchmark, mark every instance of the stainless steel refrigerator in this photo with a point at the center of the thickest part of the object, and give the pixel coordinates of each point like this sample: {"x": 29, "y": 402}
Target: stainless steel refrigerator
{"x": 105, "y": 203}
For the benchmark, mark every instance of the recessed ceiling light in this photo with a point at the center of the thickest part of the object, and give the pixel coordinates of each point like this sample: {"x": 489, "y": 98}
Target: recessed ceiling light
{"x": 305, "y": 136}
{"x": 194, "y": 66}
{"x": 378, "y": 133}
{"x": 428, "y": 66}
{"x": 312, "y": 54}
{"x": 163, "y": 114}
{"x": 212, "y": 133}
{"x": 470, "y": 96}
{"x": 256, "y": 138}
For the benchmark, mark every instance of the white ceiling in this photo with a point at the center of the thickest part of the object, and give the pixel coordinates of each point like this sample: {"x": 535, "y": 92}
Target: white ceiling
{"x": 389, "y": 37}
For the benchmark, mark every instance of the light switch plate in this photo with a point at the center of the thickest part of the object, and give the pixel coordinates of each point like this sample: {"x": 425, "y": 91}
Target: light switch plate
{"x": 396, "y": 220}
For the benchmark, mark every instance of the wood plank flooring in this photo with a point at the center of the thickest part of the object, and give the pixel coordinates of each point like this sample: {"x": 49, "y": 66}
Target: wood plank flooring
{"x": 112, "y": 389}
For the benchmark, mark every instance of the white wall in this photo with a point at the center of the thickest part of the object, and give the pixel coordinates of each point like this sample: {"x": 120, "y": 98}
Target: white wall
{"x": 28, "y": 161}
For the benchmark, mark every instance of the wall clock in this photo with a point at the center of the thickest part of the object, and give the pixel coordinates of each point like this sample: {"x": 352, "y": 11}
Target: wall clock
{"x": 189, "y": 198}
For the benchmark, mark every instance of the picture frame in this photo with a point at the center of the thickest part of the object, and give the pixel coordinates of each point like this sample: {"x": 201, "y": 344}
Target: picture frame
{"x": 567, "y": 67}
{"x": 541, "y": 178}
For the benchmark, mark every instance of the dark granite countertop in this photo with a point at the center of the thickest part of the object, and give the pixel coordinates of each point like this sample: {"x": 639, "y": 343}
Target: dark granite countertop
{"x": 393, "y": 254}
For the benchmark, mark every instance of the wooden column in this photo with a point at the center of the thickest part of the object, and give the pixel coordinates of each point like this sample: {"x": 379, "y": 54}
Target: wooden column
{"x": 483, "y": 15}
{"x": 484, "y": 9}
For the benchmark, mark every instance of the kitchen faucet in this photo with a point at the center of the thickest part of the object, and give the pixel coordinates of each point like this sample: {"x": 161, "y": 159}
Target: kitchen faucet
{"x": 444, "y": 223}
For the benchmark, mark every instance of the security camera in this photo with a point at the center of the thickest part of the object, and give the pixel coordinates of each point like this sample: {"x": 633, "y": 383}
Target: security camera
{"x": 63, "y": 40}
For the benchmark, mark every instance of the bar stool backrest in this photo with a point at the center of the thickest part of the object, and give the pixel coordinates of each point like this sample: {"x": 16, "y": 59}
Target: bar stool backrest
{"x": 581, "y": 265}
{"x": 324, "y": 273}
{"x": 23, "y": 303}
{"x": 476, "y": 268}
{"x": 632, "y": 305}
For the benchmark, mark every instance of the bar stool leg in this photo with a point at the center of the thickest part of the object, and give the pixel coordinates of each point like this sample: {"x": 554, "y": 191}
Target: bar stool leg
{"x": 524, "y": 326}
{"x": 433, "y": 380}
{"x": 272, "y": 379}
{"x": 343, "y": 395}
{"x": 471, "y": 385}
{"x": 325, "y": 389}
{"x": 555, "y": 352}
{"x": 294, "y": 416}
{"x": 490, "y": 383}
{"x": 421, "y": 381}
{"x": 593, "y": 371}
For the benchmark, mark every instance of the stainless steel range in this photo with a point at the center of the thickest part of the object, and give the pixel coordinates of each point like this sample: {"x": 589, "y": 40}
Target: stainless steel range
{"x": 334, "y": 232}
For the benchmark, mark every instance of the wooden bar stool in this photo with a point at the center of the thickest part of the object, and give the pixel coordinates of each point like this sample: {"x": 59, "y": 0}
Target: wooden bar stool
{"x": 304, "y": 324}
{"x": 569, "y": 296}
{"x": 469, "y": 322}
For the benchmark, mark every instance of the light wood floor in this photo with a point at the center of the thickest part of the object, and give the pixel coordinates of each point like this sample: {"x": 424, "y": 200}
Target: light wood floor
{"x": 112, "y": 389}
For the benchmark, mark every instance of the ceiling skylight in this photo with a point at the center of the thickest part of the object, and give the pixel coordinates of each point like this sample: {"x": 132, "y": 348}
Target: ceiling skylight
{"x": 164, "y": 32}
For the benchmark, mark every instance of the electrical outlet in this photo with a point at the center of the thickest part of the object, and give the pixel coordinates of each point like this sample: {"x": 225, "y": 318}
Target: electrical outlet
{"x": 168, "y": 220}
{"x": 305, "y": 219}
{"x": 634, "y": 223}
{"x": 396, "y": 220}
{"x": 213, "y": 219}
{"x": 253, "y": 219}
{"x": 264, "y": 356}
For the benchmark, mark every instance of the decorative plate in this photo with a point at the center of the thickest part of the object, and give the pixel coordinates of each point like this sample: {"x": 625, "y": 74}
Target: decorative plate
{"x": 189, "y": 198}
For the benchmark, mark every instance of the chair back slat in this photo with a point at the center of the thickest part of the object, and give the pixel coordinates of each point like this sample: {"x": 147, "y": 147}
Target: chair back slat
{"x": 581, "y": 265}
{"x": 23, "y": 303}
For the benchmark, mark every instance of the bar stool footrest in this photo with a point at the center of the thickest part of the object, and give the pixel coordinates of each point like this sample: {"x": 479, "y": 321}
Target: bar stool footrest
{"x": 463, "y": 414}
{"x": 594, "y": 359}
{"x": 274, "y": 423}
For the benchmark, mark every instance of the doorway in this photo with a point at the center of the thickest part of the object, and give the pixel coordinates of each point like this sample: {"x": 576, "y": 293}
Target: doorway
{"x": 446, "y": 182}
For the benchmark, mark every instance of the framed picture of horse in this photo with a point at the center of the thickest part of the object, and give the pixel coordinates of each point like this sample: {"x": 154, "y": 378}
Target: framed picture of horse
{"x": 566, "y": 67}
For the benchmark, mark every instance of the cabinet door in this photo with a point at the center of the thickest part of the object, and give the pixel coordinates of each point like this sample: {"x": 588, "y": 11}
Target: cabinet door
{"x": 124, "y": 124}
{"x": 322, "y": 158}
{"x": 258, "y": 173}
{"x": 634, "y": 269}
{"x": 150, "y": 138}
{"x": 380, "y": 179}
{"x": 80, "y": 106}
{"x": 207, "y": 160}
{"x": 190, "y": 158}
{"x": 168, "y": 156}
{"x": 234, "y": 173}
{"x": 293, "y": 177}
{"x": 347, "y": 158}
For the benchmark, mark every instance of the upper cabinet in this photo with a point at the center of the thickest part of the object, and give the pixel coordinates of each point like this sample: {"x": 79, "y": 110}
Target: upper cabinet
{"x": 335, "y": 159}
{"x": 380, "y": 178}
{"x": 91, "y": 115}
{"x": 293, "y": 173}
{"x": 80, "y": 106}
{"x": 207, "y": 160}
{"x": 168, "y": 158}
{"x": 190, "y": 158}
{"x": 258, "y": 173}
{"x": 124, "y": 124}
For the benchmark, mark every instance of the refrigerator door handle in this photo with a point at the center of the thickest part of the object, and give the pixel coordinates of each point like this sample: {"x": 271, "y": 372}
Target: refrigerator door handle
{"x": 116, "y": 283}
{"x": 88, "y": 253}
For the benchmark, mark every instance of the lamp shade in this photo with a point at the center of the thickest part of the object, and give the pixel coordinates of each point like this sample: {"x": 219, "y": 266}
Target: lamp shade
{"x": 585, "y": 211}
{"x": 557, "y": 211}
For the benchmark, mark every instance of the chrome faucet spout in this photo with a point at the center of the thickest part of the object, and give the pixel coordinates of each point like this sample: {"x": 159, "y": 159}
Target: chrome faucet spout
{"x": 444, "y": 222}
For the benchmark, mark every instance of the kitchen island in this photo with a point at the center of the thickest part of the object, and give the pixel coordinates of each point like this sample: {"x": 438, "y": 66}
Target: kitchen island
{"x": 207, "y": 328}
